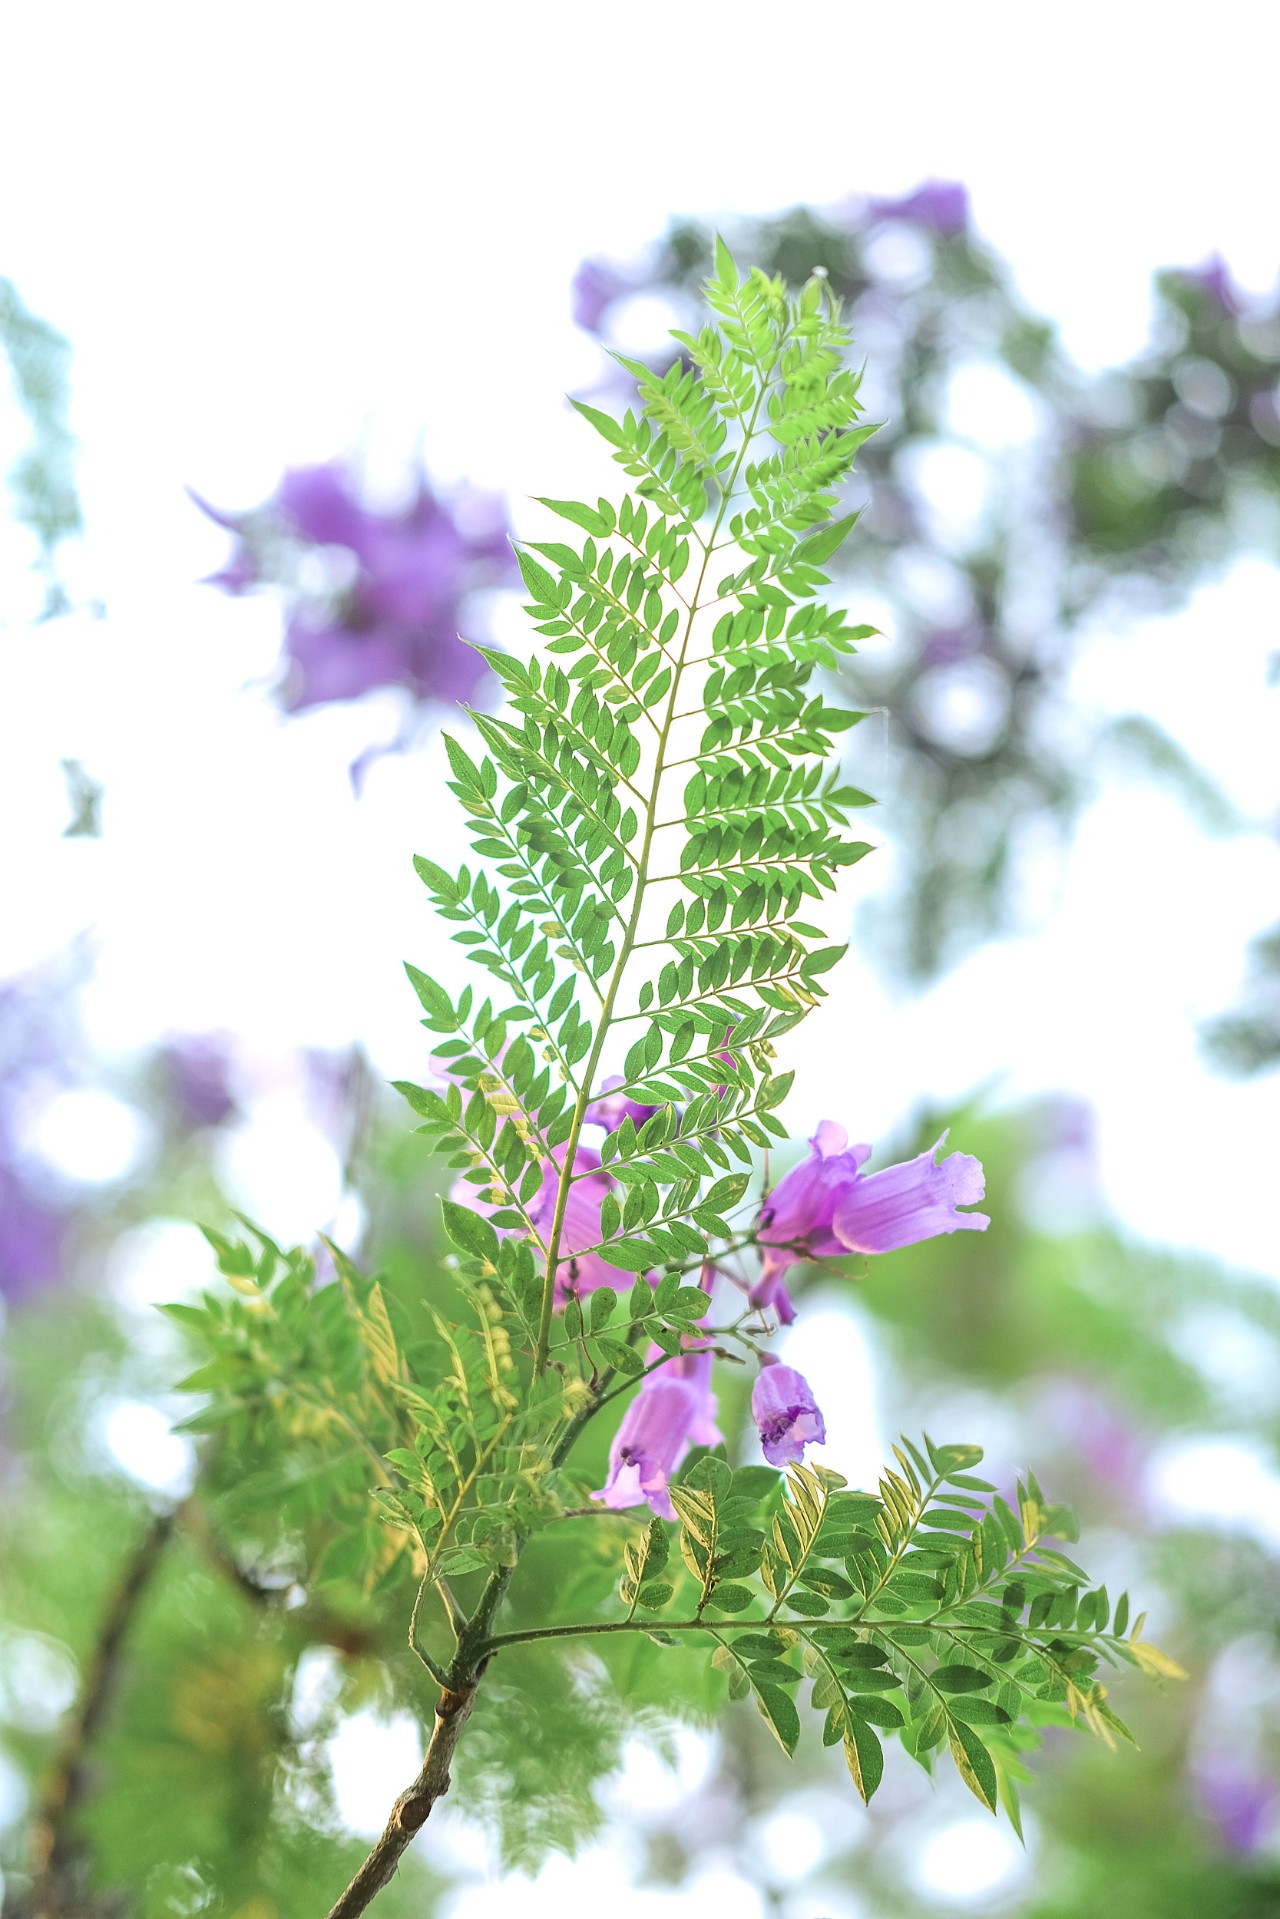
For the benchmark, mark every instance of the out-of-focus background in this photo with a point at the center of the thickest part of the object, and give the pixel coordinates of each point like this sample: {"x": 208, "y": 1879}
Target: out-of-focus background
{"x": 333, "y": 275}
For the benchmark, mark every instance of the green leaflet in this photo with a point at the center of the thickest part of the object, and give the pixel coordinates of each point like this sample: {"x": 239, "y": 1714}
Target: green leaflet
{"x": 663, "y": 760}
{"x": 589, "y": 796}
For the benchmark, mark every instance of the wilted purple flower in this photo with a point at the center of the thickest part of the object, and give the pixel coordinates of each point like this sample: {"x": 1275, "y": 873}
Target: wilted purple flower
{"x": 827, "y": 1206}
{"x": 392, "y": 619}
{"x": 939, "y": 206}
{"x": 785, "y": 1410}
{"x": 673, "y": 1410}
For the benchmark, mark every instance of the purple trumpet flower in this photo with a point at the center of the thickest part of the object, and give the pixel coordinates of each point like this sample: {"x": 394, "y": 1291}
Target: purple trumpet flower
{"x": 673, "y": 1410}
{"x": 827, "y": 1206}
{"x": 785, "y": 1410}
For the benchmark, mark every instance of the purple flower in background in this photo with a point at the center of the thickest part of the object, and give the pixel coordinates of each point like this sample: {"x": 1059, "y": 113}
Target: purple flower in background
{"x": 391, "y": 614}
{"x": 939, "y": 206}
{"x": 785, "y": 1410}
{"x": 1241, "y": 1801}
{"x": 32, "y": 1237}
{"x": 596, "y": 285}
{"x": 195, "y": 1071}
{"x": 1214, "y": 279}
{"x": 610, "y": 1107}
{"x": 673, "y": 1410}
{"x": 579, "y": 1270}
{"x": 947, "y": 644}
{"x": 41, "y": 1052}
{"x": 827, "y": 1206}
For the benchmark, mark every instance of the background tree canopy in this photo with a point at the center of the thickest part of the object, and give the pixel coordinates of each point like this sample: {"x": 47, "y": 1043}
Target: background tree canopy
{"x": 1018, "y": 506}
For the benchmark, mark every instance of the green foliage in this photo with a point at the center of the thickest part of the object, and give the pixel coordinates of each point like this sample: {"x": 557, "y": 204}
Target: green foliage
{"x": 662, "y": 762}
{"x": 651, "y": 815}
{"x": 1156, "y": 471}
{"x": 933, "y": 1609}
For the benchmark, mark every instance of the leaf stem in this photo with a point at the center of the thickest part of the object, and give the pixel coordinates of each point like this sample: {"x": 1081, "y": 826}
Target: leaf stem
{"x": 633, "y": 924}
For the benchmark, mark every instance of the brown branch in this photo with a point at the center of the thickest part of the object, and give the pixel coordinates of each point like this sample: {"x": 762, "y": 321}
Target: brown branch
{"x": 457, "y": 1699}
{"x": 412, "y": 1808}
{"x": 57, "y": 1854}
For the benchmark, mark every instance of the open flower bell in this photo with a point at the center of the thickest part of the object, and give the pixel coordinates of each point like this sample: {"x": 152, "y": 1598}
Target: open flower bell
{"x": 673, "y": 1410}
{"x": 827, "y": 1206}
{"x": 786, "y": 1412}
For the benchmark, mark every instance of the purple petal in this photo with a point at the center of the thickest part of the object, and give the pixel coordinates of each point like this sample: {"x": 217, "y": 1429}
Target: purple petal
{"x": 784, "y": 1409}
{"x": 318, "y": 503}
{"x": 796, "y": 1221}
{"x": 610, "y": 1107}
{"x": 596, "y": 285}
{"x": 910, "y": 1202}
{"x": 656, "y": 1432}
{"x": 333, "y": 663}
{"x": 939, "y": 206}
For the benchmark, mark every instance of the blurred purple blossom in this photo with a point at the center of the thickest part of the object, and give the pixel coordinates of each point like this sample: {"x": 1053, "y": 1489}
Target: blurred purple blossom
{"x": 610, "y": 1107}
{"x": 673, "y": 1410}
{"x": 1241, "y": 1801}
{"x": 827, "y": 1206}
{"x": 937, "y": 206}
{"x": 1091, "y": 1426}
{"x": 786, "y": 1412}
{"x": 37, "y": 1048}
{"x": 579, "y": 1270}
{"x": 393, "y": 612}
{"x": 1212, "y": 277}
{"x": 32, "y": 1235}
{"x": 196, "y": 1076}
{"x": 596, "y": 285}
{"x": 947, "y": 644}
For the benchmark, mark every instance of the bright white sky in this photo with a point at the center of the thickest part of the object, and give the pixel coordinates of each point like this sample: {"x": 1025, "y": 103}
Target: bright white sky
{"x": 274, "y": 231}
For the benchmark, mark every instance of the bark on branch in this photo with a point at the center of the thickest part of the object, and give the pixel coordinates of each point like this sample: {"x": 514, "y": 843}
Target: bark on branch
{"x": 412, "y": 1808}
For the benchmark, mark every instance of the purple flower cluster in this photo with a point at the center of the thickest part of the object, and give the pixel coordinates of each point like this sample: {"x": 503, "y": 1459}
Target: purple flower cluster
{"x": 399, "y": 582}
{"x": 826, "y": 1206}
